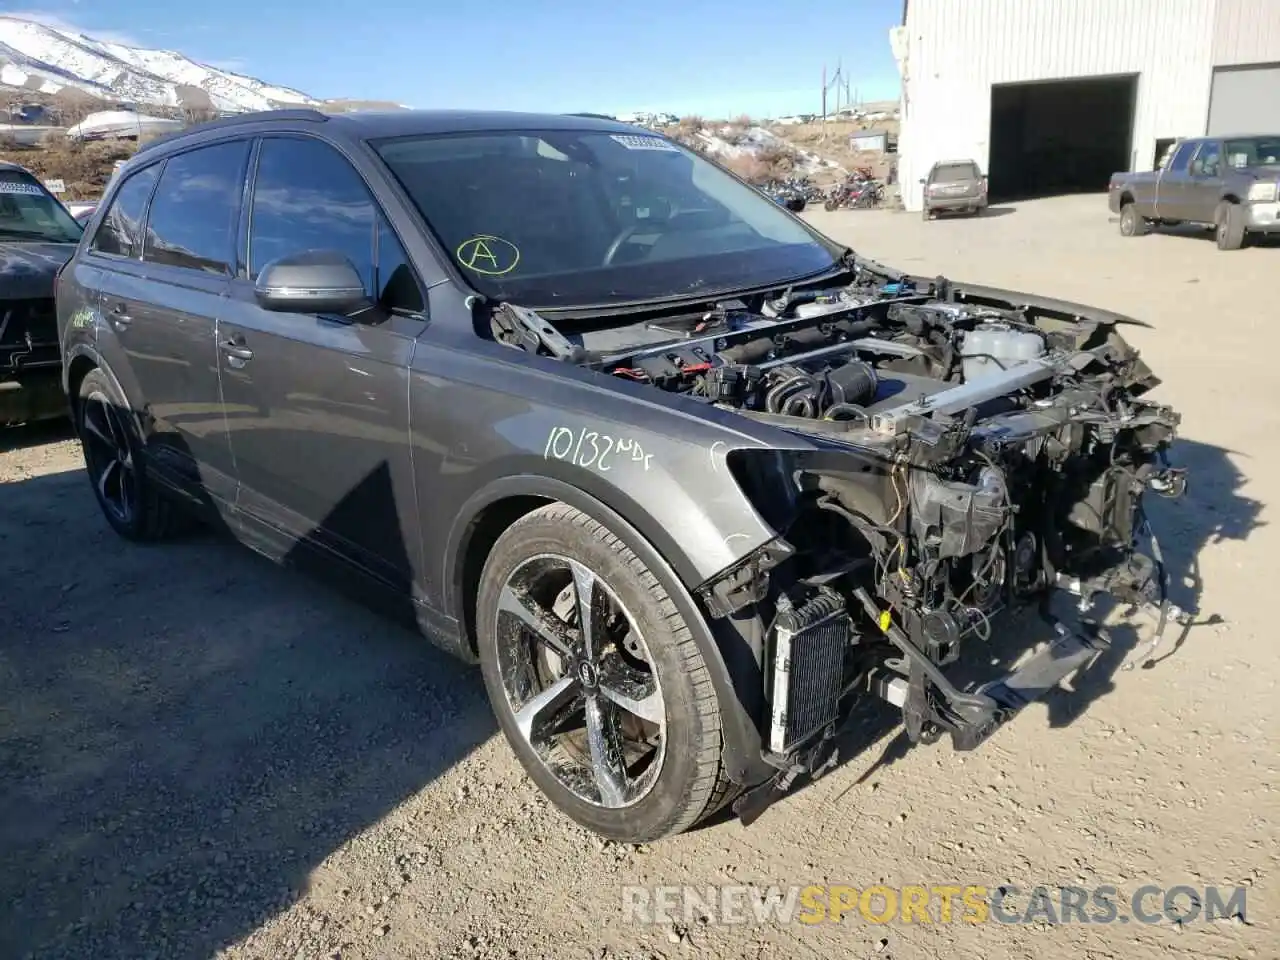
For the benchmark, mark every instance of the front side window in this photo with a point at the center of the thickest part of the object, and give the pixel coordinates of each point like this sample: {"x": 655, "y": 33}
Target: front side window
{"x": 29, "y": 212}
{"x": 587, "y": 217}
{"x": 120, "y": 231}
{"x": 307, "y": 196}
{"x": 196, "y": 207}
{"x": 1206, "y": 162}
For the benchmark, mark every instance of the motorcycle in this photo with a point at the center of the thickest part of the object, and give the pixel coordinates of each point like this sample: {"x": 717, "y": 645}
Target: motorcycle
{"x": 855, "y": 193}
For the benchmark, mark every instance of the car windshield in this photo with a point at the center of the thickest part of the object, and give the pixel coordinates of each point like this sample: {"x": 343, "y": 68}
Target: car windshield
{"x": 1253, "y": 152}
{"x": 954, "y": 173}
{"x": 29, "y": 212}
{"x": 571, "y": 218}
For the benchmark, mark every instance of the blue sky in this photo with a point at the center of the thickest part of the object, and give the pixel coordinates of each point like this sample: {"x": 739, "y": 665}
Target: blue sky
{"x": 712, "y": 57}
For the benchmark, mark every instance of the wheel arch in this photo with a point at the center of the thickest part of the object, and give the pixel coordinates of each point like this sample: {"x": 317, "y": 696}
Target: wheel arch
{"x": 492, "y": 510}
{"x": 81, "y": 359}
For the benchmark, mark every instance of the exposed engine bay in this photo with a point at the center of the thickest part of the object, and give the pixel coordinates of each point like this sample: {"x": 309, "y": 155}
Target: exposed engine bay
{"x": 973, "y": 451}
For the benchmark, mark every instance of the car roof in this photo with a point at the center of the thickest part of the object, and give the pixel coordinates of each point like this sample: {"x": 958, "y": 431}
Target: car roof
{"x": 6, "y": 165}
{"x": 1228, "y": 136}
{"x": 378, "y": 124}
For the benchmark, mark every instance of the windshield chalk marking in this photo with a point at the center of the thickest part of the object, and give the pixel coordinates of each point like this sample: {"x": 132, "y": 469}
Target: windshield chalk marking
{"x": 485, "y": 253}
{"x": 590, "y": 449}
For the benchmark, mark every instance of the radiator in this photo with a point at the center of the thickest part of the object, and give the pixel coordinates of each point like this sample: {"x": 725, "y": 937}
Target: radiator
{"x": 809, "y": 643}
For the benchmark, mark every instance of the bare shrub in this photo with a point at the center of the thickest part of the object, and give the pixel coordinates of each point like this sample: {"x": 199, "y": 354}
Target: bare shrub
{"x": 750, "y": 168}
{"x": 83, "y": 167}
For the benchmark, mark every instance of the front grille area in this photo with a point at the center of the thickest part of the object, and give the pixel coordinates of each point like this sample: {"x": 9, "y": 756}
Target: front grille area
{"x": 28, "y": 334}
{"x": 808, "y": 669}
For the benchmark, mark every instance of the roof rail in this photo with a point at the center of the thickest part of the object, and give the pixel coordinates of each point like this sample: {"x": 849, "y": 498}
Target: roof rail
{"x": 256, "y": 116}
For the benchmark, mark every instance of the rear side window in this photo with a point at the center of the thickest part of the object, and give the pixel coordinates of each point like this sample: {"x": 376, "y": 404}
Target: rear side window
{"x": 308, "y": 196}
{"x": 1182, "y": 157}
{"x": 193, "y": 217}
{"x": 120, "y": 232}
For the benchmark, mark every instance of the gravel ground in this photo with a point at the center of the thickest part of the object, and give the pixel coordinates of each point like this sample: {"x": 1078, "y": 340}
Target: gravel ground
{"x": 203, "y": 755}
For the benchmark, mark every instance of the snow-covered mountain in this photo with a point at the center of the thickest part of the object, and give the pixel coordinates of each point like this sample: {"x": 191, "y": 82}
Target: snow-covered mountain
{"x": 40, "y": 57}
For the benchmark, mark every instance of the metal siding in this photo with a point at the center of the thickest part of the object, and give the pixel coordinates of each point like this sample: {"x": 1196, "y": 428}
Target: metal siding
{"x": 1244, "y": 101}
{"x": 1246, "y": 32}
{"x": 957, "y": 49}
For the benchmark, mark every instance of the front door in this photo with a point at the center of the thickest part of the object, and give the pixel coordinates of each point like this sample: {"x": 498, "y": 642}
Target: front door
{"x": 1204, "y": 185}
{"x": 317, "y": 405}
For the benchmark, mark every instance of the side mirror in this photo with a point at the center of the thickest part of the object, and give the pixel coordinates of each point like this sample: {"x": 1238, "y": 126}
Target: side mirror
{"x": 923, "y": 180}
{"x": 317, "y": 281}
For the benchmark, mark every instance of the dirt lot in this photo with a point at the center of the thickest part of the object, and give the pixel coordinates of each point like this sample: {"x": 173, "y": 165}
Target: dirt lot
{"x": 202, "y": 755}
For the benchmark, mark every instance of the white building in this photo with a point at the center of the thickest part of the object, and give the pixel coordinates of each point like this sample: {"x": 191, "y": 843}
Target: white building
{"x": 1052, "y": 96}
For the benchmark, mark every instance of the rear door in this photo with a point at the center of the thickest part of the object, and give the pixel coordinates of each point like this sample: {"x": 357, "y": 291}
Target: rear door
{"x": 1172, "y": 201}
{"x": 160, "y": 310}
{"x": 317, "y": 405}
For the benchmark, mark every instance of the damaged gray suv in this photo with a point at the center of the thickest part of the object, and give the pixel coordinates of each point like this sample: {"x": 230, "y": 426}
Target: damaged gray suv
{"x": 686, "y": 478}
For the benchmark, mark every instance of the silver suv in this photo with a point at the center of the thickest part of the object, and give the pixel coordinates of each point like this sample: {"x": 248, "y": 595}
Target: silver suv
{"x": 954, "y": 186}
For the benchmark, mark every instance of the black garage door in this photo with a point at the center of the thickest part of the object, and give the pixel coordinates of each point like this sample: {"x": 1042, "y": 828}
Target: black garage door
{"x": 1060, "y": 136}
{"x": 1245, "y": 100}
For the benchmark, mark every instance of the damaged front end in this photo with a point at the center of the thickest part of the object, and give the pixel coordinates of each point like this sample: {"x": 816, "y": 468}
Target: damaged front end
{"x": 959, "y": 452}
{"x": 983, "y": 456}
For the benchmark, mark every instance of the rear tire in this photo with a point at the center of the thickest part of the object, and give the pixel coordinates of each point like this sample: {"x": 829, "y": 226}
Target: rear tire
{"x": 1230, "y": 226}
{"x": 1131, "y": 224}
{"x": 829, "y": 205}
{"x": 131, "y": 503}
{"x": 632, "y": 767}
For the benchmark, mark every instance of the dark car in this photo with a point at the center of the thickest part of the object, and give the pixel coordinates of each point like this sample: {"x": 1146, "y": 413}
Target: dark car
{"x": 1231, "y": 184}
{"x": 687, "y": 478}
{"x": 37, "y": 236}
{"x": 954, "y": 186}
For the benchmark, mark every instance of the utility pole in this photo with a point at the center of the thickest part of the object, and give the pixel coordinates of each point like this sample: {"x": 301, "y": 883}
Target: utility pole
{"x": 824, "y": 101}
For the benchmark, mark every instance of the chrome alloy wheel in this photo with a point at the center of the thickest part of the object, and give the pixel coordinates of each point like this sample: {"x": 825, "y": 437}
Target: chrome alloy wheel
{"x": 580, "y": 682}
{"x": 108, "y": 456}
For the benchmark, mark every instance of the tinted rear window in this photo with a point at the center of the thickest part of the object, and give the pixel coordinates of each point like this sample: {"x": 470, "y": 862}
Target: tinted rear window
{"x": 953, "y": 172}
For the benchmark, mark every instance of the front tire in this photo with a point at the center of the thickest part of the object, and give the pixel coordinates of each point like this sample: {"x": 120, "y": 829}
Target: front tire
{"x": 618, "y": 724}
{"x": 1229, "y": 221}
{"x": 130, "y": 501}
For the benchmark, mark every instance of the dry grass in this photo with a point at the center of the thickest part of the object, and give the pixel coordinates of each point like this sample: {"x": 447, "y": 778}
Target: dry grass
{"x": 83, "y": 167}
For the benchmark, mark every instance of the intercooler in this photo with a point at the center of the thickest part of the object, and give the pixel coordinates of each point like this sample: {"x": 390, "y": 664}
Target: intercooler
{"x": 809, "y": 643}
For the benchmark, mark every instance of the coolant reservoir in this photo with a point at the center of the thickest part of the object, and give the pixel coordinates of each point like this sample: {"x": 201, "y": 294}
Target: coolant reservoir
{"x": 991, "y": 347}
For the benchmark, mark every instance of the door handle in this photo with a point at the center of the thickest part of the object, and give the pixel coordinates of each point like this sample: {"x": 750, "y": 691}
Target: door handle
{"x": 236, "y": 350}
{"x": 120, "y": 315}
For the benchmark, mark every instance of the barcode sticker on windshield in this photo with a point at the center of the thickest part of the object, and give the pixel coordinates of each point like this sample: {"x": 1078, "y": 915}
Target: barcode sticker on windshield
{"x": 12, "y": 186}
{"x": 633, "y": 142}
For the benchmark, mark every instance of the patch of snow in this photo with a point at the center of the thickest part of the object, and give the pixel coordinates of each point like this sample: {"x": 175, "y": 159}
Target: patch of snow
{"x": 752, "y": 141}
{"x": 109, "y": 124}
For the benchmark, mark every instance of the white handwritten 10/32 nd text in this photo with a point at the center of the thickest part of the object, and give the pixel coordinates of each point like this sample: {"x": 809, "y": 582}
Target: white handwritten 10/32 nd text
{"x": 593, "y": 449}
